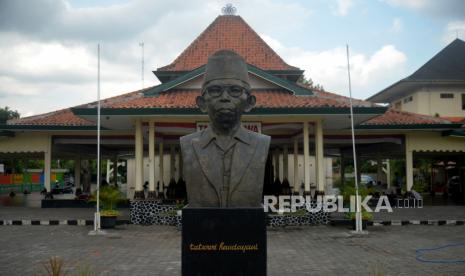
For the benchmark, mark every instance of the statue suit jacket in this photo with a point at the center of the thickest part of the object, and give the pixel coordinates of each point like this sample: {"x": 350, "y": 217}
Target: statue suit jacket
{"x": 203, "y": 174}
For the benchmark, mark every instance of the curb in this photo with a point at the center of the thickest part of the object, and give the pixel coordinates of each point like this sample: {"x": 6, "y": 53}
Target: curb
{"x": 377, "y": 223}
{"x": 77, "y": 222}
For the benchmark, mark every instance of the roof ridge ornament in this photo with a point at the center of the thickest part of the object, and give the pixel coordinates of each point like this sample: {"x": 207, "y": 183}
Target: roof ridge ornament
{"x": 229, "y": 9}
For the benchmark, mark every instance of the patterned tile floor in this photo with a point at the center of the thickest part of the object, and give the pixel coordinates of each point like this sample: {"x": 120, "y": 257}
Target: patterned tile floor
{"x": 155, "y": 250}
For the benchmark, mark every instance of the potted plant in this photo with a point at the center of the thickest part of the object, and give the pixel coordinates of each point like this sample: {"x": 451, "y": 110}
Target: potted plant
{"x": 348, "y": 191}
{"x": 109, "y": 198}
{"x": 366, "y": 216}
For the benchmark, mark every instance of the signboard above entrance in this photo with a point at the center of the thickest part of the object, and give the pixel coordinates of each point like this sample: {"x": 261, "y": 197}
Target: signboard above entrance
{"x": 252, "y": 126}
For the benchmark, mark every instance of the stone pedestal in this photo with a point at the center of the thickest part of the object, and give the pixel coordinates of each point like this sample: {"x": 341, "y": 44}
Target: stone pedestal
{"x": 223, "y": 241}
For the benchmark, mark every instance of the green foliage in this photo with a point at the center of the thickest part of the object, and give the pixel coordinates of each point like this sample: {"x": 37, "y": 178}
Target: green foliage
{"x": 349, "y": 190}
{"x": 6, "y": 114}
{"x": 109, "y": 213}
{"x": 365, "y": 215}
{"x": 308, "y": 82}
{"x": 109, "y": 197}
{"x": 299, "y": 213}
{"x": 368, "y": 167}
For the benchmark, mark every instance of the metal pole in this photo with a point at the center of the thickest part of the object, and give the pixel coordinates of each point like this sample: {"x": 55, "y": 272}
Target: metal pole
{"x": 358, "y": 214}
{"x": 141, "y": 44}
{"x": 97, "y": 230}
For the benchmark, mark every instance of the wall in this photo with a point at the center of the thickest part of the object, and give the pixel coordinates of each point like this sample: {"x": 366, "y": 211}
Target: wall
{"x": 24, "y": 142}
{"x": 434, "y": 141}
{"x": 428, "y": 101}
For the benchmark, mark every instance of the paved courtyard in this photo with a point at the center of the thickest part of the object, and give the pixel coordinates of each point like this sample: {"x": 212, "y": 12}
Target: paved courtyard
{"x": 155, "y": 250}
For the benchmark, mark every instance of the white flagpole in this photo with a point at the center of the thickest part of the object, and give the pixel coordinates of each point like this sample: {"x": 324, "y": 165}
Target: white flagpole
{"x": 358, "y": 214}
{"x": 97, "y": 229}
{"x": 141, "y": 44}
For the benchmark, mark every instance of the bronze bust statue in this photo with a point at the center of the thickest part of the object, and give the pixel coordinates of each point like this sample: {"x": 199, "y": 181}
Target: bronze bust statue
{"x": 224, "y": 164}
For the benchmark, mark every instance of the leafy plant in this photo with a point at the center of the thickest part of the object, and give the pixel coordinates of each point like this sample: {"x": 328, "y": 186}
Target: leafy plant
{"x": 349, "y": 190}
{"x": 365, "y": 215}
{"x": 54, "y": 267}
{"x": 109, "y": 198}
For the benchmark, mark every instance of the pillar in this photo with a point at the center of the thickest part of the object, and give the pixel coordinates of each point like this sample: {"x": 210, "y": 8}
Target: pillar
{"x": 296, "y": 166}
{"x": 408, "y": 163}
{"x": 139, "y": 156}
{"x": 77, "y": 172}
{"x": 276, "y": 164}
{"x": 152, "y": 191}
{"x": 172, "y": 161}
{"x": 306, "y": 158}
{"x": 115, "y": 170}
{"x": 285, "y": 163}
{"x": 160, "y": 168}
{"x": 342, "y": 168}
{"x": 107, "y": 172}
{"x": 48, "y": 164}
{"x": 319, "y": 158}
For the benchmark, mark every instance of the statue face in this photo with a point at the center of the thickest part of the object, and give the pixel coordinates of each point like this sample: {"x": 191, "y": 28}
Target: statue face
{"x": 225, "y": 100}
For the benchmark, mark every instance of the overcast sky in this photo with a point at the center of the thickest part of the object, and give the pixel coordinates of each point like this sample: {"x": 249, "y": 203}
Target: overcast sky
{"x": 48, "y": 48}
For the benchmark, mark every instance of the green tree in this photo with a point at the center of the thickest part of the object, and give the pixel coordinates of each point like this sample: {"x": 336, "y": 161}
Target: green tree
{"x": 308, "y": 82}
{"x": 6, "y": 114}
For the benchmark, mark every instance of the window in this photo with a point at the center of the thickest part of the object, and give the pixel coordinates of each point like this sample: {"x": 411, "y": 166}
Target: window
{"x": 463, "y": 101}
{"x": 447, "y": 96}
{"x": 408, "y": 99}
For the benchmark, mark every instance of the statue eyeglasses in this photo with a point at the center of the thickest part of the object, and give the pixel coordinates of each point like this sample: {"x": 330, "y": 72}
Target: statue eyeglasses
{"x": 216, "y": 91}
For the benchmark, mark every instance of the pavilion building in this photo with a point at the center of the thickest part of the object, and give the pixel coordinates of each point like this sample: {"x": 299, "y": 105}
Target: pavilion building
{"x": 307, "y": 126}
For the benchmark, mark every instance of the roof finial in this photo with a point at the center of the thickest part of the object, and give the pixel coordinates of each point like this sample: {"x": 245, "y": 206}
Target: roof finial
{"x": 229, "y": 9}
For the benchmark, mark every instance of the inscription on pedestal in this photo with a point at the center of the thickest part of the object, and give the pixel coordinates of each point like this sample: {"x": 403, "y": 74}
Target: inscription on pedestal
{"x": 227, "y": 241}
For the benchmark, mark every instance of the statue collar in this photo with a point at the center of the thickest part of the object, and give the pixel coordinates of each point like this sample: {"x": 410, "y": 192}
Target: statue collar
{"x": 208, "y": 135}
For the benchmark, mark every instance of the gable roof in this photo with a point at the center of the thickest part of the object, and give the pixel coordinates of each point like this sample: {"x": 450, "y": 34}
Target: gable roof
{"x": 290, "y": 86}
{"x": 233, "y": 33}
{"x": 396, "y": 119}
{"x": 448, "y": 64}
{"x": 446, "y": 68}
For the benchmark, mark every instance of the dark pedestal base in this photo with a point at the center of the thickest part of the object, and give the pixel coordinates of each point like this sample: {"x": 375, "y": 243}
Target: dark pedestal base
{"x": 152, "y": 195}
{"x": 139, "y": 195}
{"x": 228, "y": 241}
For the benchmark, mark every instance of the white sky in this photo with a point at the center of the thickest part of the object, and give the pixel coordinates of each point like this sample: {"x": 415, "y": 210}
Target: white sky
{"x": 48, "y": 48}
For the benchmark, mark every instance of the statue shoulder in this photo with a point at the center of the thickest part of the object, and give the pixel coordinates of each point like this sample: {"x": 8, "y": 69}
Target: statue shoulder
{"x": 262, "y": 138}
{"x": 187, "y": 139}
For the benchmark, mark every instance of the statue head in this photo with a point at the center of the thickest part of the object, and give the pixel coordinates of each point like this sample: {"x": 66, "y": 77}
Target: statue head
{"x": 225, "y": 91}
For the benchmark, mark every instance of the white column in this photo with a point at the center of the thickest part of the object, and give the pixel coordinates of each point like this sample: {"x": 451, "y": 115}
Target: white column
{"x": 48, "y": 164}
{"x": 77, "y": 172}
{"x": 115, "y": 170}
{"x": 151, "y": 156}
{"x": 408, "y": 163}
{"x": 296, "y": 166}
{"x": 285, "y": 163}
{"x": 160, "y": 168}
{"x": 139, "y": 156}
{"x": 172, "y": 161}
{"x": 108, "y": 171}
{"x": 306, "y": 157}
{"x": 319, "y": 157}
{"x": 276, "y": 164}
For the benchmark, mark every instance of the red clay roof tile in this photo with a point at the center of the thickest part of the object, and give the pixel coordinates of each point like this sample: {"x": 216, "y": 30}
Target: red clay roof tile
{"x": 64, "y": 117}
{"x": 233, "y": 33}
{"x": 396, "y": 117}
